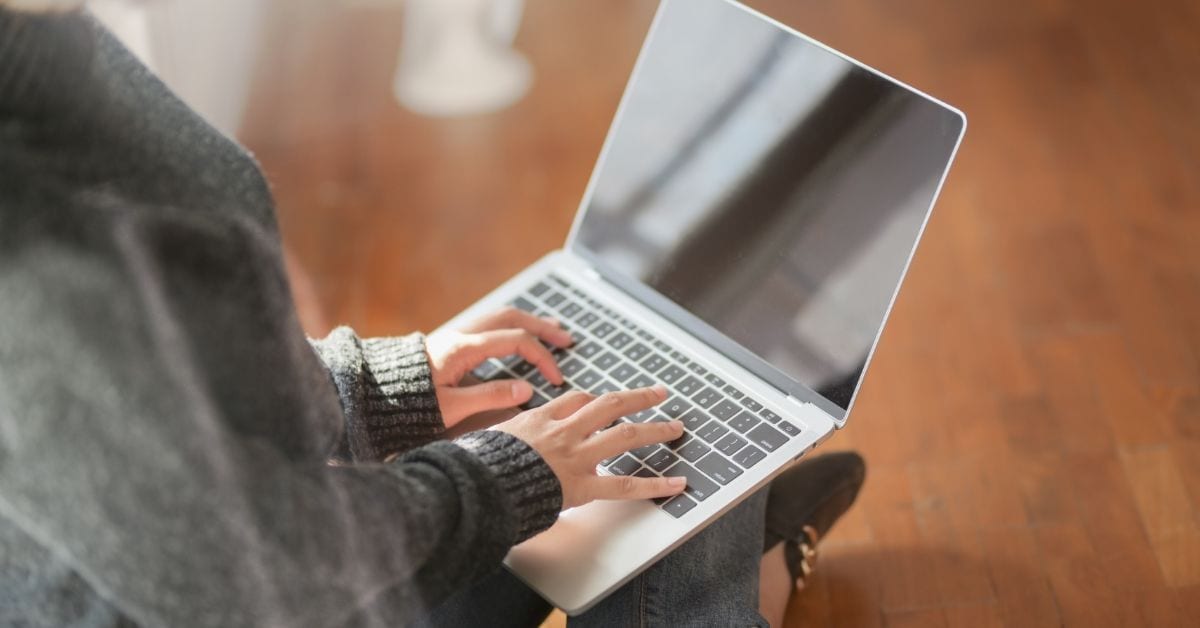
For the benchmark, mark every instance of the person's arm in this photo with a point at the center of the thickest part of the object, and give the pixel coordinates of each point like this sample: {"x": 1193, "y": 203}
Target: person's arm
{"x": 386, "y": 391}
{"x": 114, "y": 455}
{"x": 397, "y": 393}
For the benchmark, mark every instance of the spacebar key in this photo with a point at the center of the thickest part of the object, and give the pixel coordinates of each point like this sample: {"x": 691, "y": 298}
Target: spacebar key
{"x": 718, "y": 468}
{"x": 698, "y": 486}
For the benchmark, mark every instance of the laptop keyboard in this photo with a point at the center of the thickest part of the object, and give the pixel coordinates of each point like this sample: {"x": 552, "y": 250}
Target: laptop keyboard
{"x": 725, "y": 430}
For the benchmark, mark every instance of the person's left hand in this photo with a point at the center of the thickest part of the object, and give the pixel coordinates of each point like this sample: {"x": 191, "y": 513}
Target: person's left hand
{"x": 453, "y": 354}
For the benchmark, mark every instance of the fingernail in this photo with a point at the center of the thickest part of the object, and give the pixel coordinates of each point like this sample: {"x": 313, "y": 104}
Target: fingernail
{"x": 677, "y": 481}
{"x": 660, "y": 390}
{"x": 678, "y": 425}
{"x": 521, "y": 390}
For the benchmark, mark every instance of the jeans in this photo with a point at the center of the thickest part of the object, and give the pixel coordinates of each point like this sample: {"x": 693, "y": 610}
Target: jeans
{"x": 711, "y": 580}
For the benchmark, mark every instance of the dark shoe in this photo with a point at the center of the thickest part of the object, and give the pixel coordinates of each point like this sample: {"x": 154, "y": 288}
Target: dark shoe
{"x": 805, "y": 501}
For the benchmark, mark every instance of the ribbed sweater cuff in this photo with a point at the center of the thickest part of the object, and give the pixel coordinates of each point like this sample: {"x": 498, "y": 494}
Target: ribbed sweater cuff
{"x": 387, "y": 393}
{"x": 401, "y": 409}
{"x": 531, "y": 486}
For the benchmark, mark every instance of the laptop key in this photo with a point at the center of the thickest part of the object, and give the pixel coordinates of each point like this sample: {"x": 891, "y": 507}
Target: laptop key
{"x": 678, "y": 506}
{"x": 770, "y": 416}
{"x": 718, "y": 468}
{"x": 538, "y": 288}
{"x": 536, "y": 401}
{"x": 717, "y": 382}
{"x": 707, "y": 397}
{"x": 487, "y": 370}
{"x": 725, "y": 409}
{"x": 653, "y": 363}
{"x": 637, "y": 352}
{"x": 511, "y": 360}
{"x": 619, "y": 341}
{"x": 588, "y": 379}
{"x": 623, "y": 373}
{"x": 693, "y": 450}
{"x": 645, "y": 452}
{"x": 712, "y": 431}
{"x": 733, "y": 392}
{"x": 554, "y": 392}
{"x": 693, "y": 419}
{"x": 570, "y": 367}
{"x": 730, "y": 443}
{"x": 788, "y": 428}
{"x": 559, "y": 280}
{"x": 606, "y": 361}
{"x": 662, "y": 346}
{"x": 522, "y": 368}
{"x": 671, "y": 373}
{"x": 537, "y": 379}
{"x": 570, "y": 310}
{"x": 644, "y": 473}
{"x": 744, "y": 422}
{"x": 641, "y": 381}
{"x": 585, "y": 321}
{"x": 661, "y": 460}
{"x": 603, "y": 329}
{"x": 626, "y": 465}
{"x": 749, "y": 456}
{"x": 697, "y": 369}
{"x": 689, "y": 386}
{"x": 588, "y": 349}
{"x": 604, "y": 387}
{"x": 643, "y": 415}
{"x": 521, "y": 303}
{"x": 752, "y": 404}
{"x": 675, "y": 407}
{"x": 554, "y": 298}
{"x": 766, "y": 437}
{"x": 698, "y": 485}
{"x": 683, "y": 439}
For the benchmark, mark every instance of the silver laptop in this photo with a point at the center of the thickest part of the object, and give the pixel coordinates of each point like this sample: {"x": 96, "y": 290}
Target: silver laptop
{"x": 742, "y": 239}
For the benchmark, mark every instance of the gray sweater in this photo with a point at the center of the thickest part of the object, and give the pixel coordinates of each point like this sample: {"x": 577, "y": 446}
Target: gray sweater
{"x": 173, "y": 450}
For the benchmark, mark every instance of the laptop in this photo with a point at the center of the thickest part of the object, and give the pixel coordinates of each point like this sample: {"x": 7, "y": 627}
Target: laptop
{"x": 742, "y": 239}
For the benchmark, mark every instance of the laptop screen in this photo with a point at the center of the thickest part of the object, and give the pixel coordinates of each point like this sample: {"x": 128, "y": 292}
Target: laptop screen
{"x": 770, "y": 190}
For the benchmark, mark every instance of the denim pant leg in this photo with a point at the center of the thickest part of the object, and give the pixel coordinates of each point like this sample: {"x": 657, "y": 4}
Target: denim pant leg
{"x": 712, "y": 580}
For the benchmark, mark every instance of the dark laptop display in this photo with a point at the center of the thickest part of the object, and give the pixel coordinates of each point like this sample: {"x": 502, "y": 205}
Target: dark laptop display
{"x": 771, "y": 189}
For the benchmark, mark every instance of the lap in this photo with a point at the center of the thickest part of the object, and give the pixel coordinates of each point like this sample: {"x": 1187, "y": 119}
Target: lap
{"x": 712, "y": 579}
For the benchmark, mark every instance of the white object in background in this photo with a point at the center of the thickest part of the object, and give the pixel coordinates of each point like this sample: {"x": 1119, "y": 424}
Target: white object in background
{"x": 130, "y": 23}
{"x": 457, "y": 57}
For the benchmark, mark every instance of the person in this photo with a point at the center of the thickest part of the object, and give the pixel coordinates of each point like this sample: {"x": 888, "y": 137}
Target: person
{"x": 174, "y": 451}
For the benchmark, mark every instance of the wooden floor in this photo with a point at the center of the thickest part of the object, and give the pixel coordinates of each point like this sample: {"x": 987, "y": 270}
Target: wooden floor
{"x": 1032, "y": 420}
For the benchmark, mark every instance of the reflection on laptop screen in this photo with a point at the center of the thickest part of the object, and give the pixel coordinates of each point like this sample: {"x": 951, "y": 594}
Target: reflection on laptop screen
{"x": 768, "y": 186}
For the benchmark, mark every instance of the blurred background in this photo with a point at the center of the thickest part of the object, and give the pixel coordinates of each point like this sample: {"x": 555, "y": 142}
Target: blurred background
{"x": 1032, "y": 417}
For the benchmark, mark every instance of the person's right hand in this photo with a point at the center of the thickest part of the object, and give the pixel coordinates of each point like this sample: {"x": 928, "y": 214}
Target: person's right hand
{"x": 565, "y": 433}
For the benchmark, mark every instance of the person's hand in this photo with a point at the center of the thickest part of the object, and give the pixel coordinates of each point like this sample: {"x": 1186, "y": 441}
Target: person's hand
{"x": 565, "y": 433}
{"x": 453, "y": 354}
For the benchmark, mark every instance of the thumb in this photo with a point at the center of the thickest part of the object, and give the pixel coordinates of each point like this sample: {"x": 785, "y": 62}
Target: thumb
{"x": 462, "y": 402}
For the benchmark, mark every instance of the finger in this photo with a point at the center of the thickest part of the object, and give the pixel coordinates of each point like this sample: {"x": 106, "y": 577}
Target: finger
{"x": 546, "y": 328}
{"x": 504, "y": 342}
{"x": 623, "y": 437}
{"x": 611, "y": 406}
{"x": 568, "y": 404}
{"x": 464, "y": 401}
{"x": 630, "y": 487}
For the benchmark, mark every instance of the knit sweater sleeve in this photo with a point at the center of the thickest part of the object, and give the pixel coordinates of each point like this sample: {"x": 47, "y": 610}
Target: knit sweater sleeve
{"x": 386, "y": 393}
{"x": 165, "y": 427}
